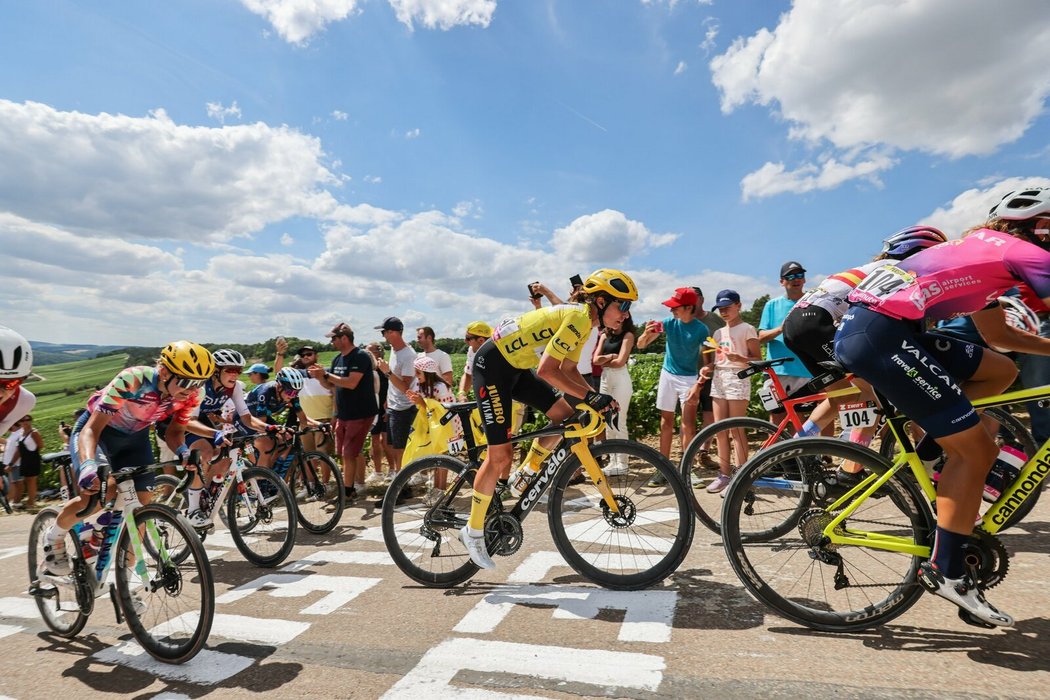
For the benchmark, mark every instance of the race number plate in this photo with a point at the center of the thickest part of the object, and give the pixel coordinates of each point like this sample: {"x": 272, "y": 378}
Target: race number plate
{"x": 858, "y": 415}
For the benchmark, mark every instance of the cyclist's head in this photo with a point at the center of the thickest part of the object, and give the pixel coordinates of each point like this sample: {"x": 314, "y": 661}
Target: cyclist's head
{"x": 228, "y": 366}
{"x": 191, "y": 364}
{"x": 909, "y": 241}
{"x": 1025, "y": 214}
{"x": 16, "y": 357}
{"x": 614, "y": 287}
{"x": 289, "y": 380}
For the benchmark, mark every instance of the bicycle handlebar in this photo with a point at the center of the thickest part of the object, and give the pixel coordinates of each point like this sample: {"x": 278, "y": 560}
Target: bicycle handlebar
{"x": 104, "y": 472}
{"x": 592, "y": 428}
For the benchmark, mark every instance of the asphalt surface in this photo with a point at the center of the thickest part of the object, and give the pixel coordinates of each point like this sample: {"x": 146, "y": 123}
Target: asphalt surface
{"x": 339, "y": 620}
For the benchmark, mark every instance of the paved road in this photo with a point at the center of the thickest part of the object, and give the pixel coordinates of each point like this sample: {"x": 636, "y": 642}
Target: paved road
{"x": 339, "y": 620}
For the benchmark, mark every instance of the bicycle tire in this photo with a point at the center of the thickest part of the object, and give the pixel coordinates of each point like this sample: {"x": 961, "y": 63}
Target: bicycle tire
{"x": 421, "y": 523}
{"x": 619, "y": 554}
{"x": 1012, "y": 431}
{"x": 65, "y": 623}
{"x": 257, "y": 527}
{"x": 321, "y": 504}
{"x": 792, "y": 575}
{"x": 176, "y": 615}
{"x": 708, "y": 506}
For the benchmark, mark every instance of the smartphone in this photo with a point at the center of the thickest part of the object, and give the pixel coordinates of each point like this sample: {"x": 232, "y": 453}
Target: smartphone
{"x": 576, "y": 281}
{"x": 532, "y": 290}
{"x": 657, "y": 326}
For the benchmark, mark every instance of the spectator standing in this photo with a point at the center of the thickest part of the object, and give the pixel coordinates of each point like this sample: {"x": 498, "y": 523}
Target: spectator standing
{"x": 793, "y": 374}
{"x": 401, "y": 373}
{"x": 350, "y": 376}
{"x": 685, "y": 335}
{"x": 380, "y": 444}
{"x": 425, "y": 338}
{"x": 22, "y": 457}
{"x": 258, "y": 374}
{"x": 706, "y": 410}
{"x": 477, "y": 333}
{"x": 315, "y": 398}
{"x": 613, "y": 351}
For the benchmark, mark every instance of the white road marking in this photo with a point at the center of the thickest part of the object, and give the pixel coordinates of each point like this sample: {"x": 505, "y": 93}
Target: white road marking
{"x": 13, "y": 552}
{"x": 243, "y": 628}
{"x": 206, "y": 668}
{"x": 24, "y": 607}
{"x": 336, "y": 556}
{"x": 536, "y": 567}
{"x": 342, "y": 589}
{"x": 8, "y": 630}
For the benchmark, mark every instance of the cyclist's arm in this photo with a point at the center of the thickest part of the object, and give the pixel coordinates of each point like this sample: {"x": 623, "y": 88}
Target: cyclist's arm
{"x": 87, "y": 443}
{"x": 562, "y": 374}
{"x": 25, "y": 403}
{"x": 992, "y": 325}
{"x": 196, "y": 427}
{"x": 252, "y": 423}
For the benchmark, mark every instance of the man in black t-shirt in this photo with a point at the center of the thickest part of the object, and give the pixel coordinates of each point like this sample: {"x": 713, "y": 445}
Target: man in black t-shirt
{"x": 355, "y": 401}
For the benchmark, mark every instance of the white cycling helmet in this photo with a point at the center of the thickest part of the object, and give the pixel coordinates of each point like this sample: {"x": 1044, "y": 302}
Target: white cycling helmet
{"x": 16, "y": 356}
{"x": 1022, "y": 205}
{"x": 291, "y": 378}
{"x": 228, "y": 358}
{"x": 1019, "y": 315}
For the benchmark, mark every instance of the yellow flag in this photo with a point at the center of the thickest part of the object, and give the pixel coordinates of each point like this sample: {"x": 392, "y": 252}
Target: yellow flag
{"x": 428, "y": 436}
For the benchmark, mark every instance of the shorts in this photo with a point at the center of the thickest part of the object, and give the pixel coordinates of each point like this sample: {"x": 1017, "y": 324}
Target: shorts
{"x": 350, "y": 434}
{"x": 119, "y": 450}
{"x": 379, "y": 427}
{"x": 809, "y": 332}
{"x": 726, "y": 385}
{"x": 672, "y": 390}
{"x": 29, "y": 470}
{"x": 916, "y": 371}
{"x": 399, "y": 425}
{"x": 705, "y": 397}
{"x": 15, "y": 473}
{"x": 497, "y": 384}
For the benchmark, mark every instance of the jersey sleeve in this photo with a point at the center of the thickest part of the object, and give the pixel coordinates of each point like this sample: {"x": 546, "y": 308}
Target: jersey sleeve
{"x": 185, "y": 410}
{"x": 568, "y": 340}
{"x": 122, "y": 387}
{"x": 25, "y": 403}
{"x": 1031, "y": 265}
{"x": 240, "y": 406}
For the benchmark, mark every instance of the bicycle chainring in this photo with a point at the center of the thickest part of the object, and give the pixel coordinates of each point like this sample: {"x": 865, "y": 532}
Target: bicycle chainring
{"x": 986, "y": 559}
{"x": 811, "y": 527}
{"x": 503, "y": 534}
{"x": 626, "y": 516}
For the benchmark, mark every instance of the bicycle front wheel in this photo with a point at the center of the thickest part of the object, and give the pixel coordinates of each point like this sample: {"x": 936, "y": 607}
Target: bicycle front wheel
{"x": 795, "y": 570}
{"x": 318, "y": 488}
{"x": 57, "y": 603}
{"x": 423, "y": 511}
{"x": 262, "y": 517}
{"x": 171, "y": 613}
{"x": 642, "y": 544}
{"x": 729, "y": 444}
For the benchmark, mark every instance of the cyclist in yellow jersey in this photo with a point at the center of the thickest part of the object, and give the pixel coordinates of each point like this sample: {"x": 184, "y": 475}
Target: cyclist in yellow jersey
{"x": 549, "y": 341}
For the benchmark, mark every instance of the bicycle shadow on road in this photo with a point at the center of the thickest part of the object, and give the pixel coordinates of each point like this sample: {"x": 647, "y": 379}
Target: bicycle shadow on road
{"x": 1019, "y": 648}
{"x": 1028, "y": 536}
{"x": 708, "y": 604}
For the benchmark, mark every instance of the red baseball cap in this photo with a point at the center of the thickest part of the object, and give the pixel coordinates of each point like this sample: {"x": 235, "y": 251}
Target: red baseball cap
{"x": 683, "y": 296}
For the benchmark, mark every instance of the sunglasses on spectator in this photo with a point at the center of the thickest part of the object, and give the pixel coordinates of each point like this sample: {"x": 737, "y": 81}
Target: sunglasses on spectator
{"x": 795, "y": 276}
{"x": 10, "y": 383}
{"x": 232, "y": 370}
{"x": 185, "y": 383}
{"x": 473, "y": 337}
{"x": 310, "y": 353}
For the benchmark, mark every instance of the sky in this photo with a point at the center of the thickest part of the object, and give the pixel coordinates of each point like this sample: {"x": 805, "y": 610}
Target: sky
{"x": 233, "y": 170}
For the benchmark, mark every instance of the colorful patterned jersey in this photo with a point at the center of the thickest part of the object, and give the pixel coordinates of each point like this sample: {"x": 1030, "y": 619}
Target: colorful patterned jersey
{"x": 832, "y": 294}
{"x": 561, "y": 330}
{"x": 956, "y": 278}
{"x": 135, "y": 401}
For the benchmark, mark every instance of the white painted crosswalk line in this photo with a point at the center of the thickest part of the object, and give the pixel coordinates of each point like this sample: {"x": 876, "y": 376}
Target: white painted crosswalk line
{"x": 22, "y": 607}
{"x": 8, "y": 630}
{"x": 242, "y": 628}
{"x": 13, "y": 551}
{"x": 206, "y": 668}
{"x": 341, "y": 589}
{"x": 338, "y": 556}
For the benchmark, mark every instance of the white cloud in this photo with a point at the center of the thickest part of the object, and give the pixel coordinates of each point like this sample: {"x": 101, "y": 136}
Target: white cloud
{"x": 287, "y": 239}
{"x": 339, "y": 116}
{"x": 949, "y": 77}
{"x": 680, "y": 68}
{"x": 473, "y": 209}
{"x": 444, "y": 14}
{"x": 606, "y": 236}
{"x": 298, "y": 20}
{"x": 711, "y": 28}
{"x": 219, "y": 113}
{"x": 774, "y": 178}
{"x": 373, "y": 179}
{"x": 148, "y": 177}
{"x": 970, "y": 208}
{"x": 413, "y": 133}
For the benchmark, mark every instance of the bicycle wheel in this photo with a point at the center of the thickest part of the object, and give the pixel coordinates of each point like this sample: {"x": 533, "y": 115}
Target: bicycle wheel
{"x": 171, "y": 615}
{"x": 422, "y": 518}
{"x": 800, "y": 575}
{"x": 57, "y": 603}
{"x": 165, "y": 492}
{"x": 1008, "y": 431}
{"x": 732, "y": 442}
{"x": 642, "y": 545}
{"x": 262, "y": 517}
{"x": 318, "y": 488}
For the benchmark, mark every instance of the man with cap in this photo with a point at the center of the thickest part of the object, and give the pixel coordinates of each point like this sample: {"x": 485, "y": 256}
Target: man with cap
{"x": 793, "y": 374}
{"x": 400, "y": 370}
{"x": 477, "y": 333}
{"x": 685, "y": 334}
{"x": 350, "y": 378}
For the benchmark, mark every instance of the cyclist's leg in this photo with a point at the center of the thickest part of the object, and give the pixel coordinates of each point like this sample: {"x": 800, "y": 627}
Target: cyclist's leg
{"x": 265, "y": 451}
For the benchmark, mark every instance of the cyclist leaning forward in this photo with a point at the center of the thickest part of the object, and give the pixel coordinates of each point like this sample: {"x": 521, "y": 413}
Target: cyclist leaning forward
{"x": 548, "y": 340}
{"x": 883, "y": 339}
{"x": 115, "y": 430}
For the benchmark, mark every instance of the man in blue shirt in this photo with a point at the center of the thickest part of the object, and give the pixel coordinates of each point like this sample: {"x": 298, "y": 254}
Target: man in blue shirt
{"x": 793, "y": 374}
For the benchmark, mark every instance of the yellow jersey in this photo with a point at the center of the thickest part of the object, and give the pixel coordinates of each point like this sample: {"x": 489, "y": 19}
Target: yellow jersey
{"x": 561, "y": 330}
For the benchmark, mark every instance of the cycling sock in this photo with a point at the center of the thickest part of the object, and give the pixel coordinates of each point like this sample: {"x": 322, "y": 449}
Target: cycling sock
{"x": 54, "y": 534}
{"x": 858, "y": 436}
{"x": 947, "y": 553}
{"x": 537, "y": 453}
{"x": 479, "y": 506}
{"x": 808, "y": 429}
{"x": 193, "y": 499}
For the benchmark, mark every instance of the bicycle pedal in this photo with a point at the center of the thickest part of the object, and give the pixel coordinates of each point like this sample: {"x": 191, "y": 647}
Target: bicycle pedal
{"x": 37, "y": 591}
{"x": 970, "y": 619}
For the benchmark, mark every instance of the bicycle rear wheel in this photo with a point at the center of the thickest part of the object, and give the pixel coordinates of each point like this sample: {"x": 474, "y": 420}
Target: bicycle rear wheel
{"x": 57, "y": 603}
{"x": 640, "y": 546}
{"x": 731, "y": 442}
{"x": 170, "y": 617}
{"x": 262, "y": 517}
{"x": 796, "y": 571}
{"x": 318, "y": 488}
{"x": 422, "y": 516}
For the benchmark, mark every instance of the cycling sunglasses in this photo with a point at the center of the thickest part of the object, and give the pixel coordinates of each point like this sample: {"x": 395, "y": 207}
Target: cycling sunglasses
{"x": 232, "y": 370}
{"x": 795, "y": 276}
{"x": 290, "y": 393}
{"x": 624, "y": 306}
{"x": 185, "y": 383}
{"x": 11, "y": 383}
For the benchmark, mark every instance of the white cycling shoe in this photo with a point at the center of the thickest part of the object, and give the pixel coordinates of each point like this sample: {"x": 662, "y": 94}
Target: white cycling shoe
{"x": 476, "y": 548}
{"x": 963, "y": 593}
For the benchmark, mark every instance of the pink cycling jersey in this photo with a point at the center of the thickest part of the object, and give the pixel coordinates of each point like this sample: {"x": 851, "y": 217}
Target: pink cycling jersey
{"x": 956, "y": 278}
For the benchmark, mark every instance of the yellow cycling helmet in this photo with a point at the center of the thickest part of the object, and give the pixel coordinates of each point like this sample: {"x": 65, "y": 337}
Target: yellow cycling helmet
{"x": 615, "y": 283}
{"x": 188, "y": 360}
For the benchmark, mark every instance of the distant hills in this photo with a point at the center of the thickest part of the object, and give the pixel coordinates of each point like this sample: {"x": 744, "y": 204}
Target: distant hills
{"x": 54, "y": 353}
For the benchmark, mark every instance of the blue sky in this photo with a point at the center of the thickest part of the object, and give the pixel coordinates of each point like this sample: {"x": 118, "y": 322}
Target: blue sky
{"x": 230, "y": 170}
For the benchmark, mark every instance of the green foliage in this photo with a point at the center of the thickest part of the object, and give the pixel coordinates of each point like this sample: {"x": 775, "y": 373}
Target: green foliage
{"x": 642, "y": 417}
{"x": 754, "y": 314}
